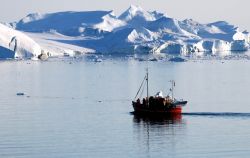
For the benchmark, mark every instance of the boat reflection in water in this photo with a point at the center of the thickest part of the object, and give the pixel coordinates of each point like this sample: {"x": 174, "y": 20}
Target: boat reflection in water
{"x": 158, "y": 133}
{"x": 174, "y": 119}
{"x": 158, "y": 123}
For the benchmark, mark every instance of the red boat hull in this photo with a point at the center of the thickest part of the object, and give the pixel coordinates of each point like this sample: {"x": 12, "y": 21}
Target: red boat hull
{"x": 171, "y": 111}
{"x": 176, "y": 110}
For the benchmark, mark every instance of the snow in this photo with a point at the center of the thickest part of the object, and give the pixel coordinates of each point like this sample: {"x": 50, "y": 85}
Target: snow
{"x": 67, "y": 23}
{"x": 239, "y": 36}
{"x": 32, "y": 17}
{"x": 17, "y": 42}
{"x": 109, "y": 23}
{"x": 158, "y": 15}
{"x": 166, "y": 24}
{"x": 136, "y": 13}
{"x": 134, "y": 31}
{"x": 50, "y": 43}
{"x": 141, "y": 35}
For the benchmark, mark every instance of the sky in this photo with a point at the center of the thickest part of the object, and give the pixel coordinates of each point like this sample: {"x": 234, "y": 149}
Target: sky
{"x": 233, "y": 11}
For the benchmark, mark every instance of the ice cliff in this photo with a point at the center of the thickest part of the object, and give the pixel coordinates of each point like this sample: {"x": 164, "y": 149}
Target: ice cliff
{"x": 14, "y": 44}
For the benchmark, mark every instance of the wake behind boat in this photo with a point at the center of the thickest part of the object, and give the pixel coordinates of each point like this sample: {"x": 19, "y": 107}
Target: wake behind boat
{"x": 157, "y": 104}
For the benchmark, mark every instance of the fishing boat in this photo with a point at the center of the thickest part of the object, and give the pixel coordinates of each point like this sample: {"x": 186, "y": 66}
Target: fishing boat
{"x": 158, "y": 104}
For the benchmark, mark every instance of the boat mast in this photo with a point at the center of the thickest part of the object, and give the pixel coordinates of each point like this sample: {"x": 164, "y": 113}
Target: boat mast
{"x": 172, "y": 90}
{"x": 147, "y": 86}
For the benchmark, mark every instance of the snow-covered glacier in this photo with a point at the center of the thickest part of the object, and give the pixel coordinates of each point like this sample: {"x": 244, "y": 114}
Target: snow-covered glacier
{"x": 134, "y": 31}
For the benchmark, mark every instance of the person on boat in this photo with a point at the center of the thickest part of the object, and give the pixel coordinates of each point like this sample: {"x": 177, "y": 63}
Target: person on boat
{"x": 143, "y": 101}
{"x": 138, "y": 101}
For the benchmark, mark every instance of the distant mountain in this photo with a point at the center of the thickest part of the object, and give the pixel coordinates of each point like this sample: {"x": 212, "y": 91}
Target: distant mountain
{"x": 134, "y": 31}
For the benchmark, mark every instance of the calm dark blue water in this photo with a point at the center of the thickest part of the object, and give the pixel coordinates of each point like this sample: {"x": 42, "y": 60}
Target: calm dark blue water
{"x": 82, "y": 109}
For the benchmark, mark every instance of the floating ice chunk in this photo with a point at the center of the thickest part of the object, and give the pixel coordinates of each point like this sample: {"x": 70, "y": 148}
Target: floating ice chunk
{"x": 177, "y": 59}
{"x": 20, "y": 94}
{"x": 43, "y": 56}
{"x": 98, "y": 60}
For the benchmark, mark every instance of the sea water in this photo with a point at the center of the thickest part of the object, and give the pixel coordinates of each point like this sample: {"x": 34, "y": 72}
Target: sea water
{"x": 78, "y": 108}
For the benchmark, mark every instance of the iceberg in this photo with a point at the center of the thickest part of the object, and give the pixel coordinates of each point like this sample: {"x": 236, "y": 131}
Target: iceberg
{"x": 172, "y": 48}
{"x": 134, "y": 31}
{"x": 15, "y": 44}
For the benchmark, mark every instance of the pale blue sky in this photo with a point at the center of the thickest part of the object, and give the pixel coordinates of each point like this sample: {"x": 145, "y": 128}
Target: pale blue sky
{"x": 235, "y": 12}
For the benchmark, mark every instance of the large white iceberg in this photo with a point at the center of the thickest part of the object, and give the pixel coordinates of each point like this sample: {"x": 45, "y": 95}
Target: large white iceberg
{"x": 15, "y": 44}
{"x": 134, "y": 31}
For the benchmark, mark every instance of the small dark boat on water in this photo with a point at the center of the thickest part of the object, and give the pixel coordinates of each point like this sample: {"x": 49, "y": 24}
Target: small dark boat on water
{"x": 158, "y": 104}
